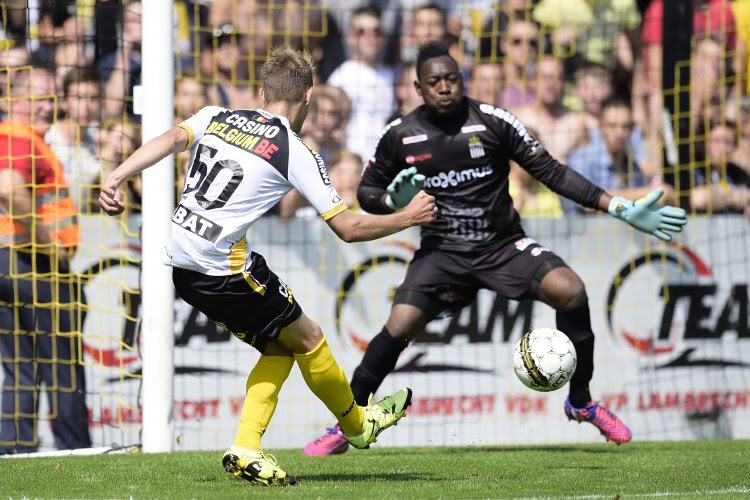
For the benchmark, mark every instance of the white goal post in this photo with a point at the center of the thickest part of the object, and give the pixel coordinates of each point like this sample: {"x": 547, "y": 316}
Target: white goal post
{"x": 157, "y": 343}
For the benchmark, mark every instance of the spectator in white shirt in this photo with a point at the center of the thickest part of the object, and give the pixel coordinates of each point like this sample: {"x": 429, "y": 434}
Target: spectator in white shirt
{"x": 368, "y": 84}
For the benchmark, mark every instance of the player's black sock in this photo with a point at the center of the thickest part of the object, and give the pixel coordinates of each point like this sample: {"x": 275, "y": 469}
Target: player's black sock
{"x": 576, "y": 324}
{"x": 579, "y": 385}
{"x": 379, "y": 360}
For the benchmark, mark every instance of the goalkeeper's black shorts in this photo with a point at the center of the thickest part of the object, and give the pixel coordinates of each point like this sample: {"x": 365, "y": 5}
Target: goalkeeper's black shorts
{"x": 254, "y": 305}
{"x": 440, "y": 281}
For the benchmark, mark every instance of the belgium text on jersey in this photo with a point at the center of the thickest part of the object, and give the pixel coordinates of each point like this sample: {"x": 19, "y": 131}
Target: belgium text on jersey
{"x": 241, "y": 132}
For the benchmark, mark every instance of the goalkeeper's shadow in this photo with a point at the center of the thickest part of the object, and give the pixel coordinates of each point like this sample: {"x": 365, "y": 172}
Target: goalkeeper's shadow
{"x": 597, "y": 449}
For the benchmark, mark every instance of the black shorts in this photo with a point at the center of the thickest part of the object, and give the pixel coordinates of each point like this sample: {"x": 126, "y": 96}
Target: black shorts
{"x": 441, "y": 280}
{"x": 253, "y": 305}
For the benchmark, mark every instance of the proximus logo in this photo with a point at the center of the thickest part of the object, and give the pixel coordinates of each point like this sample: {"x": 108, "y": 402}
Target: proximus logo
{"x": 454, "y": 178}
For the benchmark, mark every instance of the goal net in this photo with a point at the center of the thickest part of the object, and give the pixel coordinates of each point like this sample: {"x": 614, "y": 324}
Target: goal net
{"x": 671, "y": 320}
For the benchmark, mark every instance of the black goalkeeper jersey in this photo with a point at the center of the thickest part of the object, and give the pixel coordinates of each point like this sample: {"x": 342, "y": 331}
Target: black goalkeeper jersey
{"x": 464, "y": 159}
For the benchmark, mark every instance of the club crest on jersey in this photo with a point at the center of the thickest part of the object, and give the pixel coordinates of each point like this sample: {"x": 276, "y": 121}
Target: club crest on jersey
{"x": 476, "y": 148}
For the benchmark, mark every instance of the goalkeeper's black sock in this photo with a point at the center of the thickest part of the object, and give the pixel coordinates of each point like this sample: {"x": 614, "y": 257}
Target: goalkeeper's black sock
{"x": 576, "y": 324}
{"x": 579, "y": 385}
{"x": 379, "y": 360}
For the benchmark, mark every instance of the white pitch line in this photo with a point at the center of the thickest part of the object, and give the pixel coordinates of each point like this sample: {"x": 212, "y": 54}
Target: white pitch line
{"x": 109, "y": 450}
{"x": 718, "y": 492}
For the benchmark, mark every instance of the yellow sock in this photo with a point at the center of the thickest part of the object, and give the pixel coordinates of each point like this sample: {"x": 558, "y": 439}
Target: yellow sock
{"x": 327, "y": 380}
{"x": 262, "y": 394}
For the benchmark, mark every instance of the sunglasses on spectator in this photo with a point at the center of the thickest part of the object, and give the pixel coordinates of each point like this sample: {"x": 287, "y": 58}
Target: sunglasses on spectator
{"x": 224, "y": 29}
{"x": 225, "y": 33}
{"x": 518, "y": 41}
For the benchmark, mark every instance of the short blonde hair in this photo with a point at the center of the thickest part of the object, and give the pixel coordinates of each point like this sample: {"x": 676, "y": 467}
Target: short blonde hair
{"x": 287, "y": 75}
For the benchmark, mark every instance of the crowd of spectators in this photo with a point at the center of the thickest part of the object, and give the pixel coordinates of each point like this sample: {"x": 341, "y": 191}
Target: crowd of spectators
{"x": 580, "y": 74}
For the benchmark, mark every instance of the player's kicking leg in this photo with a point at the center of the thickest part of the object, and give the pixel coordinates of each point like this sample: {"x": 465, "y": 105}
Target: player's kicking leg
{"x": 379, "y": 360}
{"x": 360, "y": 425}
{"x": 377, "y": 417}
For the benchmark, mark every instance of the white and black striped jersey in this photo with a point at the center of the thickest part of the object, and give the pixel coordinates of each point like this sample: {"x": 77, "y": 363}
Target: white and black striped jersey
{"x": 241, "y": 163}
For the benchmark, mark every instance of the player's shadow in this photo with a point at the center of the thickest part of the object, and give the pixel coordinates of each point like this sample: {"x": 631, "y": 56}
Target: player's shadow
{"x": 359, "y": 476}
{"x": 528, "y": 448}
{"x": 582, "y": 467}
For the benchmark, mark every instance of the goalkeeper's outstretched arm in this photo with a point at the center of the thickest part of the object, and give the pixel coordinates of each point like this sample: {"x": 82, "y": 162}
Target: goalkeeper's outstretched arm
{"x": 172, "y": 141}
{"x": 643, "y": 214}
{"x": 646, "y": 215}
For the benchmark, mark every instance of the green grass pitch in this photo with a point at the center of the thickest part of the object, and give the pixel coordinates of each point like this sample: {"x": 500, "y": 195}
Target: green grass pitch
{"x": 702, "y": 469}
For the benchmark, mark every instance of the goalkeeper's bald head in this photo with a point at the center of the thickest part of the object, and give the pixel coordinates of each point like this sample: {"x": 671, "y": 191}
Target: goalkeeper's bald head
{"x": 287, "y": 75}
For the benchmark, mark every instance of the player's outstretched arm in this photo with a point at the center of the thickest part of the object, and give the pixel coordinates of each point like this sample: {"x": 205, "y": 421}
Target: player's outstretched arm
{"x": 173, "y": 140}
{"x": 352, "y": 227}
{"x": 645, "y": 214}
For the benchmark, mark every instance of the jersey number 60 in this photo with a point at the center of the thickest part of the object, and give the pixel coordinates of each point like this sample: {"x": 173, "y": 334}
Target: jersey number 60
{"x": 200, "y": 178}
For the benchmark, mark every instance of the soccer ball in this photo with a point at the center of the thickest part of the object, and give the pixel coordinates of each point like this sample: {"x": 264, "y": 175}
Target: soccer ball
{"x": 544, "y": 359}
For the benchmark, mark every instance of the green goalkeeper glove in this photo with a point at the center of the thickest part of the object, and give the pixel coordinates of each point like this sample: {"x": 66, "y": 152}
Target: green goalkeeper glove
{"x": 645, "y": 215}
{"x": 403, "y": 188}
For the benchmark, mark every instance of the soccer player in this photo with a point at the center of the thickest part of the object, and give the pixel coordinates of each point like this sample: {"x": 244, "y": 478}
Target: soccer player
{"x": 242, "y": 162}
{"x": 477, "y": 241}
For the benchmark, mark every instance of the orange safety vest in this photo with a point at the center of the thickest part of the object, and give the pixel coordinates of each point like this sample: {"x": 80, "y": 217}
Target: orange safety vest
{"x": 53, "y": 206}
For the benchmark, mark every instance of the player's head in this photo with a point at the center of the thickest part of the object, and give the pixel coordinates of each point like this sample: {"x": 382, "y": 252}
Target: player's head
{"x": 287, "y": 77}
{"x": 439, "y": 80}
{"x": 32, "y": 95}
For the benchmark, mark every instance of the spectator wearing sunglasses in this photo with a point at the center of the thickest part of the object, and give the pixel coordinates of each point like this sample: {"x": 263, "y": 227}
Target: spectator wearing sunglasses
{"x": 520, "y": 46}
{"x": 368, "y": 84}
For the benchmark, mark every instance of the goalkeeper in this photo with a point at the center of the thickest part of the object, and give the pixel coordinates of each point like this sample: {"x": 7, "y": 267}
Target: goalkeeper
{"x": 458, "y": 149}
